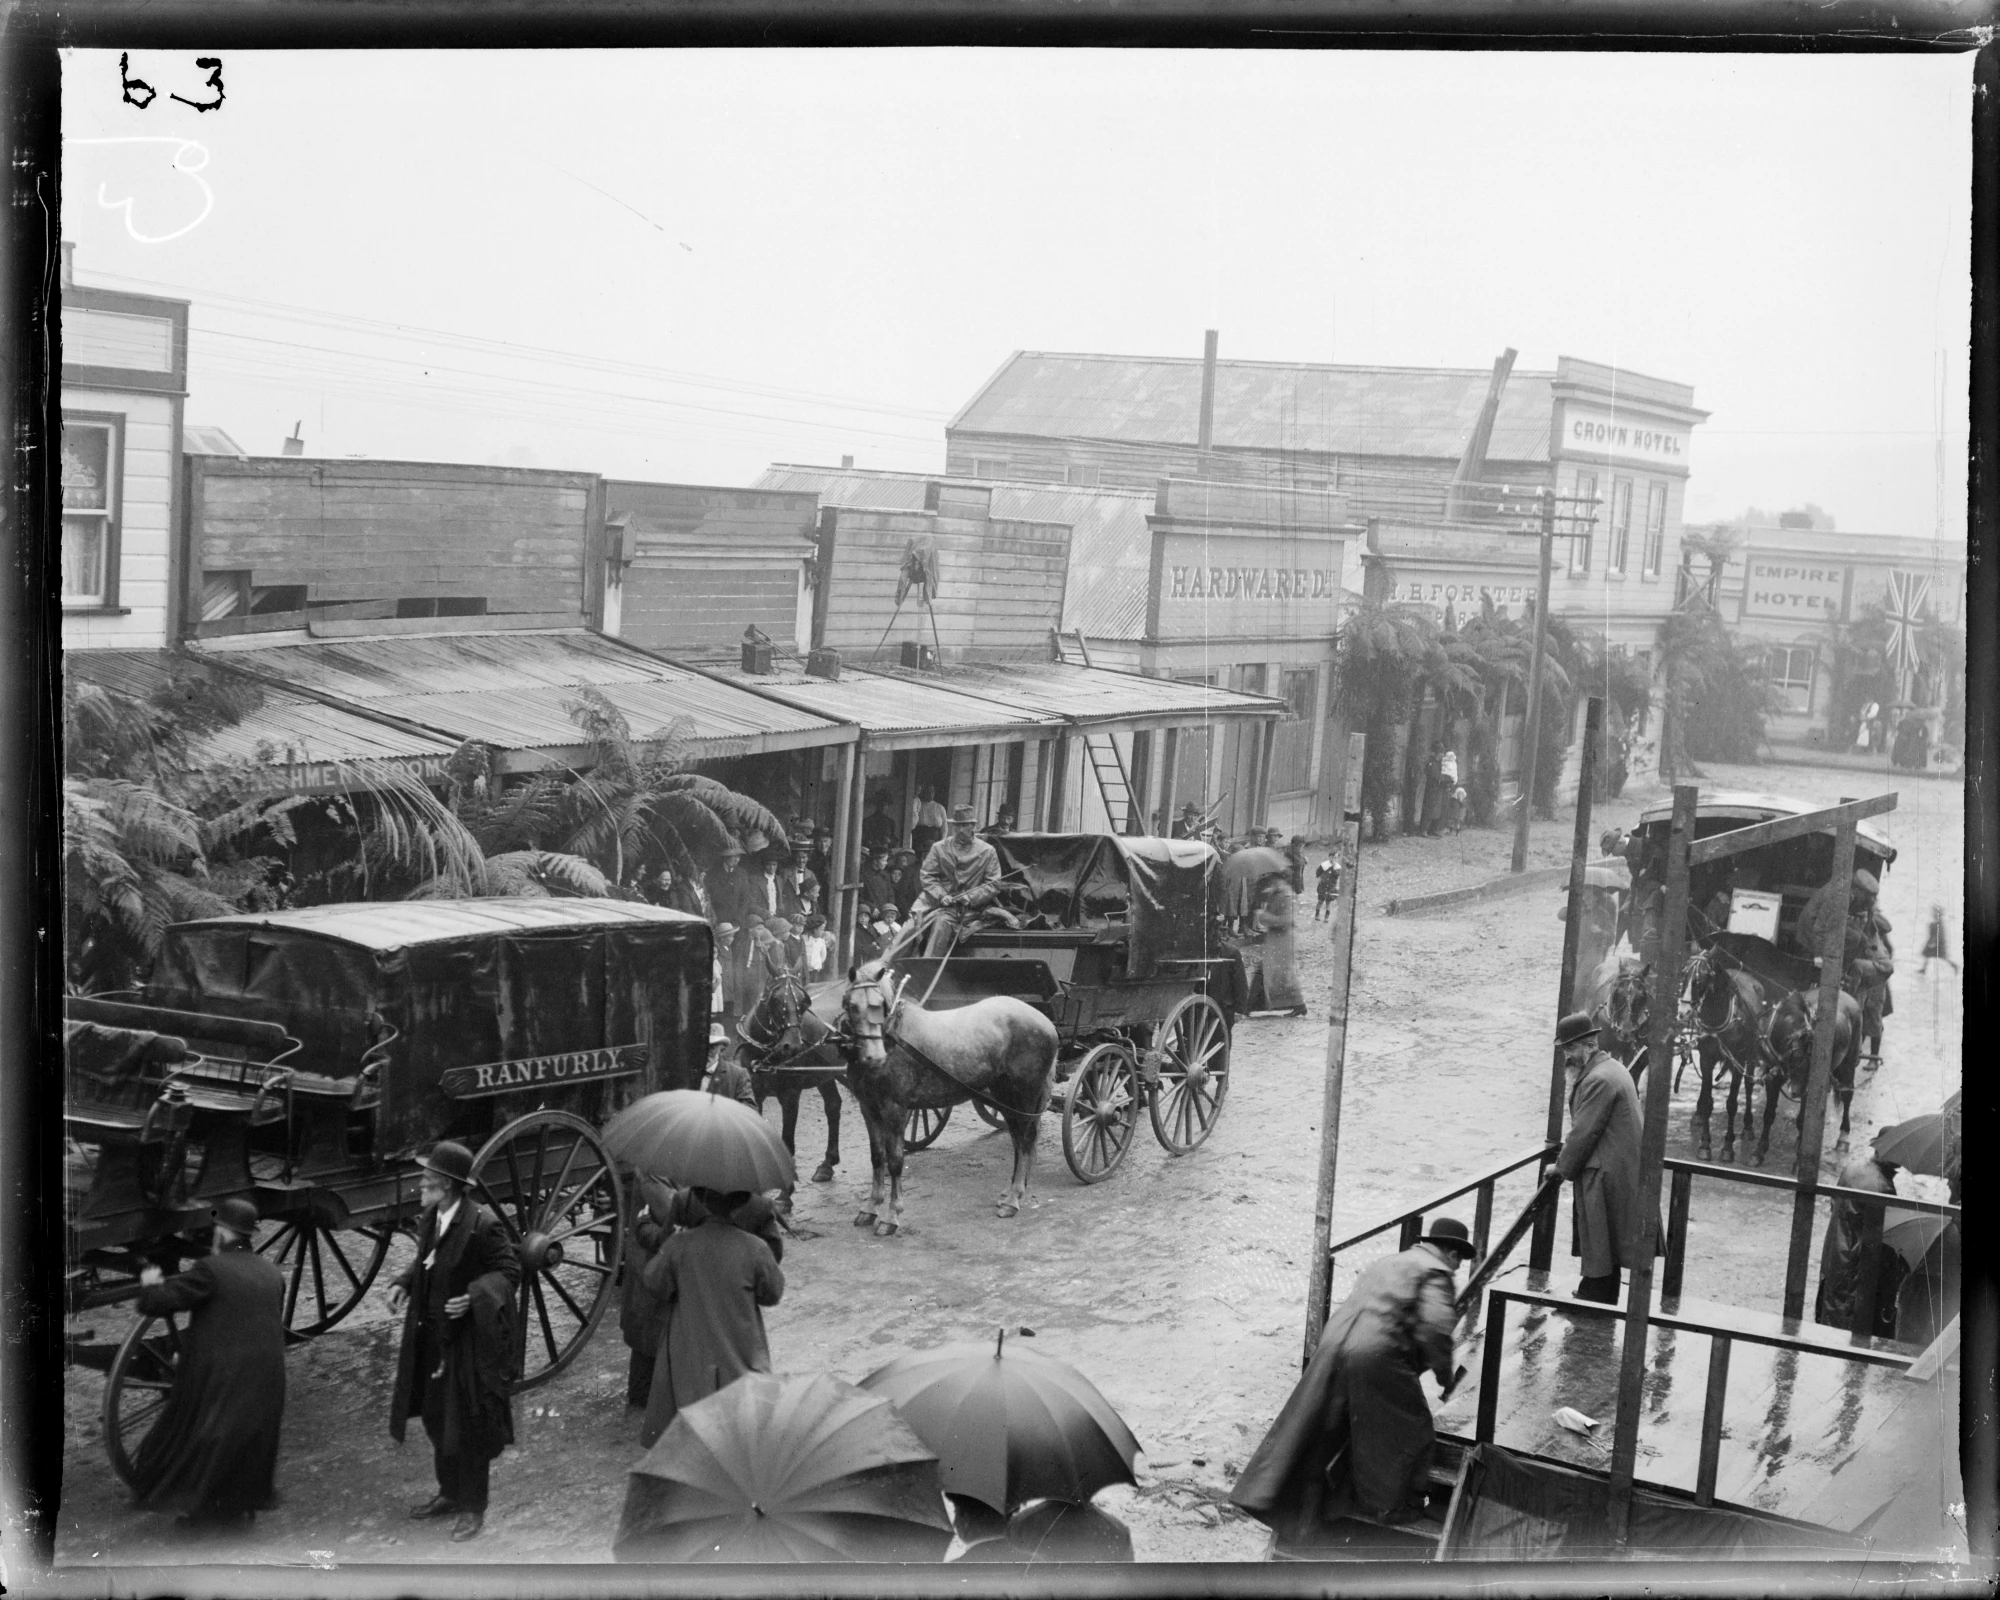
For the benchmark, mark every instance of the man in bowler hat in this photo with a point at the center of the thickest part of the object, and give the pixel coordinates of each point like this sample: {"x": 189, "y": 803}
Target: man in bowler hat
{"x": 1355, "y": 1437}
{"x": 458, "y": 1358}
{"x": 1601, "y": 1158}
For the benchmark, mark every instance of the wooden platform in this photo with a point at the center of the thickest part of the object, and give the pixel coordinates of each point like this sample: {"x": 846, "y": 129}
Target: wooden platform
{"x": 1806, "y": 1436}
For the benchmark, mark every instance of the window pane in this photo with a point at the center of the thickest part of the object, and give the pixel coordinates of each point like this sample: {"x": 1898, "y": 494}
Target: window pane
{"x": 1656, "y": 526}
{"x": 86, "y": 467}
{"x": 83, "y": 558}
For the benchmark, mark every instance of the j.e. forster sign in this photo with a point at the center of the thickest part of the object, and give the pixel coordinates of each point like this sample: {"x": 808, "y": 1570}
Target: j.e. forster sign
{"x": 1252, "y": 586}
{"x": 540, "y": 1072}
{"x": 1810, "y": 590}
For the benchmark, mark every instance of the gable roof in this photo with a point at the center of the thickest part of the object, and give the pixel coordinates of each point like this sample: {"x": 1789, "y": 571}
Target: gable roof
{"x": 1424, "y": 412}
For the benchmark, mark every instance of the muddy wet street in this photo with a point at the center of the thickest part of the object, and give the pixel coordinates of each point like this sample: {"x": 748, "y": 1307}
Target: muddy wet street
{"x": 1177, "y": 1285}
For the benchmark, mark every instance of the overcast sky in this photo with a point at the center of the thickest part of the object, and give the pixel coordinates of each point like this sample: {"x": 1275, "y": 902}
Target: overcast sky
{"x": 687, "y": 265}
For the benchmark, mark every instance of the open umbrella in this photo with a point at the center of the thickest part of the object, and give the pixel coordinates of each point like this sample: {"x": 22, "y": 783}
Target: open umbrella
{"x": 1244, "y": 869}
{"x": 694, "y": 1136}
{"x": 785, "y": 1469}
{"x": 1929, "y": 1143}
{"x": 1009, "y": 1424}
{"x": 1911, "y": 1233}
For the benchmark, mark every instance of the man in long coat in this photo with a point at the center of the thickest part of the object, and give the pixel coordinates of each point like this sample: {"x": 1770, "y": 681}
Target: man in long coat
{"x": 1828, "y": 905}
{"x": 1355, "y": 1436}
{"x": 456, "y": 1365}
{"x": 713, "y": 1281}
{"x": 961, "y": 879}
{"x": 1840, "y": 1254}
{"x": 1601, "y": 1158}
{"x": 213, "y": 1454}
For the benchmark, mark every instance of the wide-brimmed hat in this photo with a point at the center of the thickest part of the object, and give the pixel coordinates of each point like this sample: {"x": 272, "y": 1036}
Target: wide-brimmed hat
{"x": 963, "y": 814}
{"x": 1452, "y": 1235}
{"x": 778, "y": 928}
{"x": 1575, "y": 1027}
{"x": 1865, "y": 882}
{"x": 238, "y": 1216}
{"x": 722, "y": 928}
{"x": 717, "y": 1034}
{"x": 731, "y": 849}
{"x": 448, "y": 1159}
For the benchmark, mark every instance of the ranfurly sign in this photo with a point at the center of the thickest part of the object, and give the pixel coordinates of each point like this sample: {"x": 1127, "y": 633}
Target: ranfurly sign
{"x": 537, "y": 1072}
{"x": 1809, "y": 590}
{"x": 1606, "y": 433}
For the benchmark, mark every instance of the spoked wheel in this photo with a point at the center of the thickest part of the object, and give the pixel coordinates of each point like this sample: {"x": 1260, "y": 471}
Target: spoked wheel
{"x": 324, "y": 1277}
{"x": 136, "y": 1389}
{"x": 925, "y": 1124}
{"x": 988, "y": 1115}
{"x": 1194, "y": 1074}
{"x": 548, "y": 1179}
{"x": 1101, "y": 1112}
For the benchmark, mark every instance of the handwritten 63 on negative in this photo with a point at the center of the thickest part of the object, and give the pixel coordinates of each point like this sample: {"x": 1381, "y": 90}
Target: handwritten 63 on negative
{"x": 138, "y": 92}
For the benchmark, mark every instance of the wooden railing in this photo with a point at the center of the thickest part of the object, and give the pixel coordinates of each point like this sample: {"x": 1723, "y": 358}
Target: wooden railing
{"x": 1680, "y": 1198}
{"x": 1749, "y": 1328}
{"x": 1410, "y": 1222}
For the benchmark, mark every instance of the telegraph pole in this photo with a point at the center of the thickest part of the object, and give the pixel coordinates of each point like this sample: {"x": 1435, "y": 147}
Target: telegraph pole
{"x": 1531, "y": 733}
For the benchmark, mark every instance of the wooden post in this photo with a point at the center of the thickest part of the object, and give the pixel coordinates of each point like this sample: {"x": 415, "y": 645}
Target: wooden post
{"x": 845, "y": 895}
{"x": 1711, "y": 1419}
{"x": 1489, "y": 1368}
{"x": 1058, "y": 781}
{"x": 1260, "y": 814}
{"x": 906, "y": 831}
{"x": 1541, "y": 1250}
{"x": 1139, "y": 813}
{"x": 1652, "y": 1152}
{"x": 1319, "y": 1286}
{"x": 1531, "y": 733}
{"x": 1678, "y": 1209}
{"x": 1170, "y": 757}
{"x": 1832, "y": 956}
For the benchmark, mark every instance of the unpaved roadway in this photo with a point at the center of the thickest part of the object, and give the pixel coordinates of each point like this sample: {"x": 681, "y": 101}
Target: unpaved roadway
{"x": 1178, "y": 1285}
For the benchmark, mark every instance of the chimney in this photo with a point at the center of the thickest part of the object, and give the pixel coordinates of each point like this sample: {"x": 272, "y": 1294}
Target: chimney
{"x": 1207, "y": 435}
{"x": 295, "y": 446}
{"x": 846, "y": 462}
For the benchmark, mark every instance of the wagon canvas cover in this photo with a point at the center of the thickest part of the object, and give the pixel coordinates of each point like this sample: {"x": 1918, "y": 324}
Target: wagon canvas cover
{"x": 1163, "y": 891}
{"x": 463, "y": 982}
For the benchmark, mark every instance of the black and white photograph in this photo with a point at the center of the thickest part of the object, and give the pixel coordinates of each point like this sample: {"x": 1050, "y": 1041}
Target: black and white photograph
{"x": 1027, "y": 807}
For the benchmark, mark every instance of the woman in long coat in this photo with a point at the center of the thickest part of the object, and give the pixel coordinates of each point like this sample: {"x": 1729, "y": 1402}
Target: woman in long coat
{"x": 1277, "y": 918}
{"x": 213, "y": 1453}
{"x": 713, "y": 1281}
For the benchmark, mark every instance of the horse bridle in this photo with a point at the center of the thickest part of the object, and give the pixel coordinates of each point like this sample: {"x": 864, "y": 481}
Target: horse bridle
{"x": 1707, "y": 960}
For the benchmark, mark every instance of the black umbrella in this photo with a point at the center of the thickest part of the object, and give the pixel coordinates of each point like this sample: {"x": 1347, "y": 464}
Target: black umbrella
{"x": 1929, "y": 1143}
{"x": 1009, "y": 1424}
{"x": 786, "y": 1469}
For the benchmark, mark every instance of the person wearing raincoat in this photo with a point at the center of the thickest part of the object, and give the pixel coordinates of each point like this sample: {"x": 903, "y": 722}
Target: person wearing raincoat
{"x": 1355, "y": 1437}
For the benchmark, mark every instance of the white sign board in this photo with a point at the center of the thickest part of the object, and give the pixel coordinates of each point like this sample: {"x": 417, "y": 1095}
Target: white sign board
{"x": 1594, "y": 431}
{"x": 1753, "y": 911}
{"x": 1793, "y": 587}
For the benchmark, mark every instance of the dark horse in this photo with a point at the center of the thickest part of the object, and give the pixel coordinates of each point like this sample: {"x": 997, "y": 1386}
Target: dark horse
{"x": 1625, "y": 1015}
{"x": 999, "y": 1052}
{"x": 787, "y": 1050}
{"x": 1792, "y": 1029}
{"x": 1728, "y": 1008}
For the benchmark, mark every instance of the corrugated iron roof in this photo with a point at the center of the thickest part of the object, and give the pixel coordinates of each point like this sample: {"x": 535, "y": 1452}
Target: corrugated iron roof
{"x": 1087, "y": 696}
{"x": 1262, "y": 405}
{"x": 286, "y": 729}
{"x": 884, "y": 704}
{"x": 398, "y": 924}
{"x": 508, "y": 688}
{"x": 1110, "y": 546}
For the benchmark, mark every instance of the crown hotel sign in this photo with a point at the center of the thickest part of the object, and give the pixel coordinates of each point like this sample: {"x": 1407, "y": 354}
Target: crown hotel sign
{"x": 1589, "y": 431}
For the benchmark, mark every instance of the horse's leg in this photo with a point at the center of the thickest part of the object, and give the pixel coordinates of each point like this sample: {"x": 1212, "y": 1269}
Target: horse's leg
{"x": 1729, "y": 1113}
{"x": 872, "y": 1115}
{"x": 1705, "y": 1101}
{"x": 788, "y": 1107}
{"x": 892, "y": 1140}
{"x": 1023, "y": 1131}
{"x": 829, "y": 1098}
{"x": 1773, "y": 1083}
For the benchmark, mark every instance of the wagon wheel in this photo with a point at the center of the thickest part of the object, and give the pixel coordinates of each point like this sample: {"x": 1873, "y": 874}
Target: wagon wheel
{"x": 1101, "y": 1112}
{"x": 136, "y": 1389}
{"x": 324, "y": 1279}
{"x": 988, "y": 1115}
{"x": 1194, "y": 1073}
{"x": 925, "y": 1124}
{"x": 548, "y": 1179}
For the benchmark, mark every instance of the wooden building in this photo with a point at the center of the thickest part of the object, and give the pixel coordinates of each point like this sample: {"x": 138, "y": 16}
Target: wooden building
{"x": 124, "y": 386}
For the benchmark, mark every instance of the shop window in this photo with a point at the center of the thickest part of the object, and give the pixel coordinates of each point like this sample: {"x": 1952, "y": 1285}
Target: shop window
{"x": 1790, "y": 669}
{"x": 1656, "y": 528}
{"x": 1586, "y": 516}
{"x": 91, "y": 449}
{"x": 1291, "y": 749}
{"x": 1621, "y": 526}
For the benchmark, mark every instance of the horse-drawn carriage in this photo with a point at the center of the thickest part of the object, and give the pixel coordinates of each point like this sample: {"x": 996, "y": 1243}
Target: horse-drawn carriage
{"x": 1751, "y": 989}
{"x": 299, "y": 1059}
{"x": 1114, "y": 941}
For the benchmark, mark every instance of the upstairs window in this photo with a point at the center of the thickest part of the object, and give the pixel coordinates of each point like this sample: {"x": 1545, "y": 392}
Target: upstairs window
{"x": 90, "y": 455}
{"x": 1621, "y": 526}
{"x": 1790, "y": 669}
{"x": 1585, "y": 509}
{"x": 1656, "y": 527}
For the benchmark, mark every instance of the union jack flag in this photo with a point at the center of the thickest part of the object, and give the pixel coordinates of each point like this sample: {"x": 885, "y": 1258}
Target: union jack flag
{"x": 1909, "y": 593}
